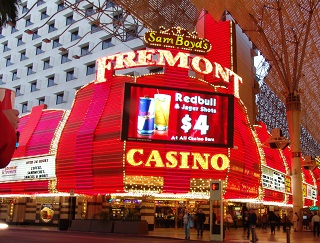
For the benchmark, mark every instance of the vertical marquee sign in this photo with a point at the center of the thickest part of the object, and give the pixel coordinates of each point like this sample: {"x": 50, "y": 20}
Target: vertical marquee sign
{"x": 158, "y": 114}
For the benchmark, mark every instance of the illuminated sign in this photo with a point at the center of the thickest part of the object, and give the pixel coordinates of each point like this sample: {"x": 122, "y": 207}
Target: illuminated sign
{"x": 178, "y": 38}
{"x": 175, "y": 159}
{"x": 34, "y": 168}
{"x": 157, "y": 114}
{"x": 153, "y": 57}
{"x": 313, "y": 208}
{"x": 273, "y": 180}
{"x": 215, "y": 186}
{"x": 311, "y": 192}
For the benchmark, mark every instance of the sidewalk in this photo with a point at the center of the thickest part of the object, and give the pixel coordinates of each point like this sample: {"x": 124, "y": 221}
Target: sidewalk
{"x": 232, "y": 235}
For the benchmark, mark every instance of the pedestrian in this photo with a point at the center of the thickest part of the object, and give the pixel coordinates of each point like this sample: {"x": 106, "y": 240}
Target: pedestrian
{"x": 214, "y": 218}
{"x": 272, "y": 219}
{"x": 295, "y": 220}
{"x": 235, "y": 220}
{"x": 253, "y": 222}
{"x": 228, "y": 220}
{"x": 201, "y": 218}
{"x": 246, "y": 224}
{"x": 316, "y": 224}
{"x": 264, "y": 220}
{"x": 187, "y": 223}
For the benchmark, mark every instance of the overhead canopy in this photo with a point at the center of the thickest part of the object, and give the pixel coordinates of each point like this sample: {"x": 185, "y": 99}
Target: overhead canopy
{"x": 286, "y": 33}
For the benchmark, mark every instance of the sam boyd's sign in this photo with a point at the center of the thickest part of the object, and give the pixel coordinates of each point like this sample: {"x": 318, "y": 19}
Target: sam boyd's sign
{"x": 33, "y": 168}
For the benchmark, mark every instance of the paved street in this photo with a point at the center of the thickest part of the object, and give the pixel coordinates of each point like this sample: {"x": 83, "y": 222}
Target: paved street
{"x": 36, "y": 234}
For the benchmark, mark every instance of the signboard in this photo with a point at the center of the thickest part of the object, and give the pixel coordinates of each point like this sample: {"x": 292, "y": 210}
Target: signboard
{"x": 311, "y": 192}
{"x": 273, "y": 180}
{"x": 33, "y": 168}
{"x": 157, "y": 114}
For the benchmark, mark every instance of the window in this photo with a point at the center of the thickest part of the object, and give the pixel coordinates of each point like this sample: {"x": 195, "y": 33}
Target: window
{"x": 69, "y": 20}
{"x": 29, "y": 70}
{"x": 35, "y": 35}
{"x": 13, "y": 29}
{"x": 117, "y": 18}
{"x": 8, "y": 61}
{"x": 95, "y": 28}
{"x": 40, "y": 2}
{"x": 28, "y": 22}
{"x": 75, "y": 35}
{"x": 131, "y": 34}
{"x": 51, "y": 81}
{"x": 24, "y": 9}
{"x": 90, "y": 69}
{"x": 39, "y": 50}
{"x": 14, "y": 75}
{"x": 106, "y": 43}
{"x": 23, "y": 56}
{"x": 1, "y": 36}
{"x": 70, "y": 75}
{"x": 51, "y": 28}
{"x": 5, "y": 47}
{"x": 89, "y": 11}
{"x": 156, "y": 70}
{"x": 44, "y": 15}
{"x": 41, "y": 101}
{"x": 20, "y": 42}
{"x": 59, "y": 98}
{"x": 60, "y": 7}
{"x": 85, "y": 50}
{"x": 1, "y": 79}
{"x": 46, "y": 64}
{"x": 24, "y": 107}
{"x": 109, "y": 4}
{"x": 64, "y": 58}
{"x": 55, "y": 43}
{"x": 33, "y": 86}
{"x": 18, "y": 90}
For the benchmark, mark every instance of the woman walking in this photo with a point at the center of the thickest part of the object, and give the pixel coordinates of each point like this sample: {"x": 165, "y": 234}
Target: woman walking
{"x": 187, "y": 223}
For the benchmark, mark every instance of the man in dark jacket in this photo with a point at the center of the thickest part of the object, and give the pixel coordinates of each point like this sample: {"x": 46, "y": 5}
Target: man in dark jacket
{"x": 201, "y": 218}
{"x": 253, "y": 223}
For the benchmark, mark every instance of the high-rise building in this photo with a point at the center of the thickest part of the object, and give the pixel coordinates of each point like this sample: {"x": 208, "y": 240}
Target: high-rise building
{"x": 52, "y": 50}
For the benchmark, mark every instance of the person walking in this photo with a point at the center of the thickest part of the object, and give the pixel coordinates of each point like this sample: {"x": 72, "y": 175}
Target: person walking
{"x": 253, "y": 222}
{"x": 187, "y": 223}
{"x": 228, "y": 220}
{"x": 235, "y": 220}
{"x": 201, "y": 218}
{"x": 272, "y": 219}
{"x": 295, "y": 219}
{"x": 316, "y": 224}
{"x": 246, "y": 224}
{"x": 264, "y": 220}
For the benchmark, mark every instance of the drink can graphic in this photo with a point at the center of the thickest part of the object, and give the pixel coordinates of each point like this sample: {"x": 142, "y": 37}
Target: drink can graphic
{"x": 146, "y": 116}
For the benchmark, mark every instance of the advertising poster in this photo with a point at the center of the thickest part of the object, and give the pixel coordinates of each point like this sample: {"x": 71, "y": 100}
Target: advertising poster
{"x": 167, "y": 115}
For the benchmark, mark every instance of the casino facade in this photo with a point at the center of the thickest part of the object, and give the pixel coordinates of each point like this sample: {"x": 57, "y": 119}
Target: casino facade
{"x": 110, "y": 153}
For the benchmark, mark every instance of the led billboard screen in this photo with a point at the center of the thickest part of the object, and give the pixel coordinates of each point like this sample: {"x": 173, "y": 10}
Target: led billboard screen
{"x": 158, "y": 114}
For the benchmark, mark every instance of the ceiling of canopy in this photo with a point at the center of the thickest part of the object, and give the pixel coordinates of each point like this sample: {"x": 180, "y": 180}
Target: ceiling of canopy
{"x": 282, "y": 30}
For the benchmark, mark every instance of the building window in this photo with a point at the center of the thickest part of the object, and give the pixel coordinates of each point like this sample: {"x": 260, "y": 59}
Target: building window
{"x": 8, "y": 61}
{"x": 41, "y": 101}
{"x": 95, "y": 28}
{"x": 46, "y": 64}
{"x": 23, "y": 56}
{"x": 1, "y": 79}
{"x": 14, "y": 75}
{"x": 33, "y": 87}
{"x": 29, "y": 70}
{"x": 69, "y": 20}
{"x": 55, "y": 43}
{"x": 131, "y": 34}
{"x": 75, "y": 35}
{"x": 60, "y": 7}
{"x": 13, "y": 29}
{"x": 51, "y": 81}
{"x": 28, "y": 22}
{"x": 44, "y": 15}
{"x": 89, "y": 11}
{"x": 24, "y": 107}
{"x": 18, "y": 90}
{"x": 156, "y": 70}
{"x": 40, "y": 2}
{"x": 35, "y": 35}
{"x": 5, "y": 47}
{"x": 106, "y": 43}
{"x": 90, "y": 69}
{"x": 70, "y": 75}
{"x": 20, "y": 42}
{"x": 117, "y": 19}
{"x": 51, "y": 28}
{"x": 39, "y": 50}
{"x": 24, "y": 9}
{"x": 59, "y": 98}
{"x": 64, "y": 58}
{"x": 84, "y": 50}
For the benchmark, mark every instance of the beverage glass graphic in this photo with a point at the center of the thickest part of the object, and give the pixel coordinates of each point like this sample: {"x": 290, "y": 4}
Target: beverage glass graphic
{"x": 7, "y": 98}
{"x": 162, "y": 111}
